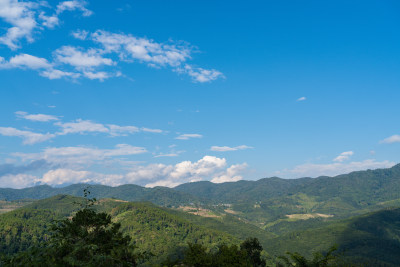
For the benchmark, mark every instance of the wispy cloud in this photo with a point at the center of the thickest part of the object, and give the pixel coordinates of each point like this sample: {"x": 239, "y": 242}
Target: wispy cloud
{"x": 392, "y": 139}
{"x": 116, "y": 130}
{"x": 227, "y": 148}
{"x": 151, "y": 130}
{"x": 78, "y": 126}
{"x": 166, "y": 155}
{"x": 332, "y": 169}
{"x": 303, "y": 98}
{"x": 81, "y": 59}
{"x": 199, "y": 74}
{"x": 344, "y": 156}
{"x": 36, "y": 117}
{"x": 86, "y": 126}
{"x": 25, "y": 18}
{"x": 130, "y": 48}
{"x": 21, "y": 17}
{"x": 81, "y": 155}
{"x": 28, "y": 137}
{"x": 74, "y": 5}
{"x": 81, "y": 126}
{"x": 188, "y": 136}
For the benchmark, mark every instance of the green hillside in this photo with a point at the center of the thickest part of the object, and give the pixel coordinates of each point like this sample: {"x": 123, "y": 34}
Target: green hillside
{"x": 271, "y": 199}
{"x": 261, "y": 202}
{"x": 154, "y": 229}
{"x": 305, "y": 215}
{"x": 371, "y": 239}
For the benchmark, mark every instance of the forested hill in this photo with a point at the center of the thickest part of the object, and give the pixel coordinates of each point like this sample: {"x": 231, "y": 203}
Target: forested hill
{"x": 372, "y": 238}
{"x": 380, "y": 184}
{"x": 155, "y": 230}
{"x": 349, "y": 192}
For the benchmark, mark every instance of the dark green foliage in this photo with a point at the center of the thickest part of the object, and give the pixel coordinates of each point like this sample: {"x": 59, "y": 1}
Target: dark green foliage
{"x": 270, "y": 199}
{"x": 23, "y": 228}
{"x": 196, "y": 255}
{"x": 370, "y": 240}
{"x": 89, "y": 238}
{"x": 253, "y": 250}
{"x": 152, "y": 229}
{"x": 164, "y": 234}
{"x": 249, "y": 254}
{"x": 328, "y": 259}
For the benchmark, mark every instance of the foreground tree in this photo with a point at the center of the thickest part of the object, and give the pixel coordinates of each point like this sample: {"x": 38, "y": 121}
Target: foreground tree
{"x": 89, "y": 238}
{"x": 248, "y": 255}
{"x": 253, "y": 249}
{"x": 329, "y": 259}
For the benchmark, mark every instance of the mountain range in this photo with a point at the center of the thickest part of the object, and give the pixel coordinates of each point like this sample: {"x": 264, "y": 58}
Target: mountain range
{"x": 360, "y": 212}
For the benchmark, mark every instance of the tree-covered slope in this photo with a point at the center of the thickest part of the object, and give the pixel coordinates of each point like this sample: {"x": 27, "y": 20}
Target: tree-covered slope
{"x": 266, "y": 203}
{"x": 371, "y": 239}
{"x": 271, "y": 199}
{"x": 356, "y": 187}
{"x": 152, "y": 228}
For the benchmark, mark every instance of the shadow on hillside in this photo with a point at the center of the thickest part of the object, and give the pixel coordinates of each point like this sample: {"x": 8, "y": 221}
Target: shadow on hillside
{"x": 374, "y": 239}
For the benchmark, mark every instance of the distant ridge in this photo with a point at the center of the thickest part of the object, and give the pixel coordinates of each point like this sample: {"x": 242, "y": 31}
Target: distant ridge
{"x": 162, "y": 196}
{"x": 357, "y": 189}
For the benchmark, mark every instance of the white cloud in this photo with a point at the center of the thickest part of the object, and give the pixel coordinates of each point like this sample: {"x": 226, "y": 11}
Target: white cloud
{"x": 57, "y": 74}
{"x": 129, "y": 47}
{"x": 343, "y": 156}
{"x": 188, "y": 136}
{"x": 73, "y": 5}
{"x": 392, "y": 139}
{"x": 81, "y": 126}
{"x": 332, "y": 169}
{"x": 27, "y": 17}
{"x": 17, "y": 181}
{"x": 207, "y": 168}
{"x": 231, "y": 174}
{"x": 199, "y": 74}
{"x": 21, "y": 17}
{"x": 80, "y": 59}
{"x": 25, "y": 61}
{"x": 45, "y": 68}
{"x": 49, "y": 21}
{"x": 101, "y": 75}
{"x": 75, "y": 62}
{"x": 86, "y": 126}
{"x": 80, "y": 34}
{"x": 301, "y": 98}
{"x": 28, "y": 137}
{"x": 151, "y": 130}
{"x": 227, "y": 148}
{"x": 166, "y": 155}
{"x": 36, "y": 117}
{"x": 60, "y": 176}
{"x": 68, "y": 176}
{"x": 79, "y": 155}
{"x": 116, "y": 130}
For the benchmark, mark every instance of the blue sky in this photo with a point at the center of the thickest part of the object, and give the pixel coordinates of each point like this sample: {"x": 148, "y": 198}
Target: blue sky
{"x": 168, "y": 92}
